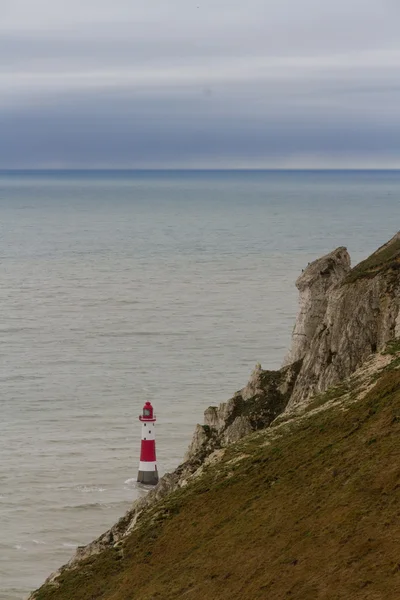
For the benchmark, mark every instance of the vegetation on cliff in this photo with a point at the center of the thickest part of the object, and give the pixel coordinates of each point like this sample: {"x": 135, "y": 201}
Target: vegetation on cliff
{"x": 308, "y": 508}
{"x": 385, "y": 258}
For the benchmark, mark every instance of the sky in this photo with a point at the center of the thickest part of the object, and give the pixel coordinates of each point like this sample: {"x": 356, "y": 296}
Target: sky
{"x": 199, "y": 84}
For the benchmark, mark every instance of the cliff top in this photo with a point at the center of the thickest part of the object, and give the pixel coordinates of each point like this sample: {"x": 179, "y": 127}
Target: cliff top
{"x": 326, "y": 270}
{"x": 387, "y": 256}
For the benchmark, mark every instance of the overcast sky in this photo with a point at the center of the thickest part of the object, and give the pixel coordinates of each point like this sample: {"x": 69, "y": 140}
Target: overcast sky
{"x": 203, "y": 83}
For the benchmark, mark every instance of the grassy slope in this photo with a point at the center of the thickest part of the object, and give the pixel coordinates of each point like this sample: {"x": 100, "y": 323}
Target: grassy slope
{"x": 307, "y": 510}
{"x": 386, "y": 257}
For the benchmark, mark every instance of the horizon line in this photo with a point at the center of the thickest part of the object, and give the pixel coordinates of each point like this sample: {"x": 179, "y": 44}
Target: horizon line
{"x": 193, "y": 169}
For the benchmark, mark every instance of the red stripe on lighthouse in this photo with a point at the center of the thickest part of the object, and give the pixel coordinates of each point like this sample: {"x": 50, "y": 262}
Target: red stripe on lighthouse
{"x": 148, "y": 451}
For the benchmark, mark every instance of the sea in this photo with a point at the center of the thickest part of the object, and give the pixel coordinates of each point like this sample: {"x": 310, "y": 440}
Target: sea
{"x": 119, "y": 287}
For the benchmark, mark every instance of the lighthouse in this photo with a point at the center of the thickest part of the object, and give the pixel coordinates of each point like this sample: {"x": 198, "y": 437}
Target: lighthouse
{"x": 148, "y": 467}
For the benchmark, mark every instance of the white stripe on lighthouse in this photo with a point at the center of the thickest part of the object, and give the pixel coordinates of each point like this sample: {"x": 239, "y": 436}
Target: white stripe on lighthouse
{"x": 148, "y": 431}
{"x": 147, "y": 466}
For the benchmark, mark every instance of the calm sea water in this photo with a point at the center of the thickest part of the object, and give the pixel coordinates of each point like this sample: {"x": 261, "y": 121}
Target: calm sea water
{"x": 117, "y": 288}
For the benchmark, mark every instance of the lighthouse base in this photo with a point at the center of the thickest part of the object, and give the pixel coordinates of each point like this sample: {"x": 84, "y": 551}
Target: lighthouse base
{"x": 148, "y": 477}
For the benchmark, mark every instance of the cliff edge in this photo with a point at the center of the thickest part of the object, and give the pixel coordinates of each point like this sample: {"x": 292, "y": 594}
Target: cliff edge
{"x": 345, "y": 315}
{"x": 361, "y": 314}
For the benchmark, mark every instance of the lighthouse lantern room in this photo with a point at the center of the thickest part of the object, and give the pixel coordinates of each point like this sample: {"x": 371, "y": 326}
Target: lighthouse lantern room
{"x": 148, "y": 466}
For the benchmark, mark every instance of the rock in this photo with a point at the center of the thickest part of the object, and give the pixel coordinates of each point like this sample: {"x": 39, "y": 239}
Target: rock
{"x": 199, "y": 441}
{"x": 254, "y": 386}
{"x": 314, "y": 285}
{"x": 240, "y": 427}
{"x": 216, "y": 418}
{"x": 361, "y": 316}
{"x": 254, "y": 407}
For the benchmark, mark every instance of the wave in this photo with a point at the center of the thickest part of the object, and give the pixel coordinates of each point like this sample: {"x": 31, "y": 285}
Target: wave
{"x": 116, "y": 334}
{"x": 21, "y": 377}
{"x": 89, "y": 489}
{"x": 16, "y": 329}
{"x": 87, "y": 506}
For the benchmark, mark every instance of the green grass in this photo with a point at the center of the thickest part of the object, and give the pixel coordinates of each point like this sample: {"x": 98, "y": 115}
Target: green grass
{"x": 333, "y": 393}
{"x": 393, "y": 347}
{"x": 385, "y": 258}
{"x": 314, "y": 514}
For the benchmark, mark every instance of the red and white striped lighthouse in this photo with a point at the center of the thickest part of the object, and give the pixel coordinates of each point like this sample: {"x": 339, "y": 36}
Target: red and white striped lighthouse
{"x": 148, "y": 467}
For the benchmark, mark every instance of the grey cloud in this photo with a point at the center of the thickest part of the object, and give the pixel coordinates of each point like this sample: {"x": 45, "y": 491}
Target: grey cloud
{"x": 124, "y": 132}
{"x": 118, "y": 83}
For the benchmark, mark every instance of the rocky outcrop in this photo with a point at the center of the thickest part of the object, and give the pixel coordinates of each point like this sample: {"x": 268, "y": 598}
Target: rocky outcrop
{"x": 254, "y": 407}
{"x": 361, "y": 315}
{"x": 314, "y": 285}
{"x": 345, "y": 315}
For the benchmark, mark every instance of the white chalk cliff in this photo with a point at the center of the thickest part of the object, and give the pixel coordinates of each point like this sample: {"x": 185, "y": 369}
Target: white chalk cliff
{"x": 314, "y": 285}
{"x": 360, "y": 314}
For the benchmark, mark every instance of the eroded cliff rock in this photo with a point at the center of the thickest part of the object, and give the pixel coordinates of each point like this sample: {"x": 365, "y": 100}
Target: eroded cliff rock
{"x": 254, "y": 407}
{"x": 314, "y": 284}
{"x": 361, "y": 315}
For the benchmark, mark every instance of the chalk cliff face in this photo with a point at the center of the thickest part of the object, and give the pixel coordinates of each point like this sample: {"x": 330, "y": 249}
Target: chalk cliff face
{"x": 359, "y": 315}
{"x": 344, "y": 316}
{"x": 314, "y": 285}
